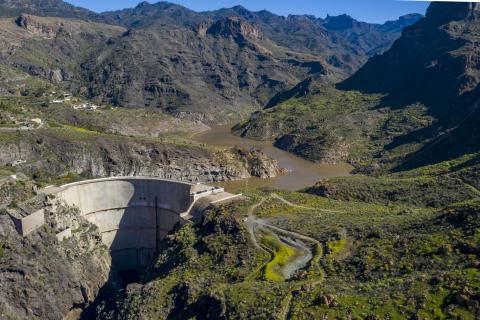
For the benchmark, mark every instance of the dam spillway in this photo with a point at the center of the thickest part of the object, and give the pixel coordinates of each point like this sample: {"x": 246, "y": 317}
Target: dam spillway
{"x": 133, "y": 214}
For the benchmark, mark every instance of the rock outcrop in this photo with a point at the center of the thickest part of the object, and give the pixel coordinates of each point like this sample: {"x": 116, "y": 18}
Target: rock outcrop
{"x": 44, "y": 278}
{"x": 34, "y": 25}
{"x": 49, "y": 154}
{"x": 235, "y": 27}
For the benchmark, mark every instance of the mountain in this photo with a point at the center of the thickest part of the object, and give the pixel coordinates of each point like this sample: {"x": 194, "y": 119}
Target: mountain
{"x": 54, "y": 8}
{"x": 415, "y": 104}
{"x": 146, "y": 14}
{"x": 209, "y": 66}
{"x": 211, "y": 72}
{"x": 241, "y": 77}
{"x": 436, "y": 63}
{"x": 370, "y": 38}
{"x": 343, "y": 41}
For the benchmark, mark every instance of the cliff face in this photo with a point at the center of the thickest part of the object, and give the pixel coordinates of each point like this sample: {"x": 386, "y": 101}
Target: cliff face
{"x": 436, "y": 62}
{"x": 52, "y": 153}
{"x": 442, "y": 13}
{"x": 30, "y": 23}
{"x": 235, "y": 27}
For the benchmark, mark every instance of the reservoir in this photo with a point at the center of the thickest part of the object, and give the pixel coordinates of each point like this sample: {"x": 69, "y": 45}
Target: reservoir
{"x": 301, "y": 173}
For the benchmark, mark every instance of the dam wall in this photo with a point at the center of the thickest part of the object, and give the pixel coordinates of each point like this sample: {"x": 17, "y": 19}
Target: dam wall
{"x": 133, "y": 214}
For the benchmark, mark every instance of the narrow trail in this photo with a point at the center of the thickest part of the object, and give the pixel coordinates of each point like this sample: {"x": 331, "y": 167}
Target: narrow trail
{"x": 23, "y": 128}
{"x": 284, "y": 314}
{"x": 250, "y": 222}
{"x": 276, "y": 196}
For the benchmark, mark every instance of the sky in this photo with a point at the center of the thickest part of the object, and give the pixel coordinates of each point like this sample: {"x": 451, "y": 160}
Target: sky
{"x": 377, "y": 11}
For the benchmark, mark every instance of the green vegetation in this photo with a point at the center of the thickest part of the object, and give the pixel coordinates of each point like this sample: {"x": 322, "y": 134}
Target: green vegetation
{"x": 400, "y": 239}
{"x": 330, "y": 125}
{"x": 335, "y": 247}
{"x": 433, "y": 186}
{"x": 205, "y": 265}
{"x": 282, "y": 254}
{"x": 390, "y": 252}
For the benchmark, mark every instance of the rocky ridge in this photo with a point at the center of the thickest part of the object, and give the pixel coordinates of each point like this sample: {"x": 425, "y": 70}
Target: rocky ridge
{"x": 232, "y": 61}
{"x": 54, "y": 153}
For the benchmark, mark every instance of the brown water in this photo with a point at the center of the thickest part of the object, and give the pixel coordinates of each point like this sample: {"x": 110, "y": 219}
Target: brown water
{"x": 302, "y": 173}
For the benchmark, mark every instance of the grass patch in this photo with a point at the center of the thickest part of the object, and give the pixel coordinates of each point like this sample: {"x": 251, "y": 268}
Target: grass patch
{"x": 336, "y": 247}
{"x": 282, "y": 254}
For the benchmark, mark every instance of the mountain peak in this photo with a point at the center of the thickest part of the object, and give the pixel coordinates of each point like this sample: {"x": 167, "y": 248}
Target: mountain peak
{"x": 239, "y": 8}
{"x": 143, "y": 4}
{"x": 233, "y": 26}
{"x": 340, "y": 22}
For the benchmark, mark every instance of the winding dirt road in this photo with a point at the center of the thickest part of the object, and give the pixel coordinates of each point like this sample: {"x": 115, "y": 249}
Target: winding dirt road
{"x": 295, "y": 240}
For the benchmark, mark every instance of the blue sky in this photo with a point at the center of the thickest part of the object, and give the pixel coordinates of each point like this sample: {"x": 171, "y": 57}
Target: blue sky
{"x": 365, "y": 10}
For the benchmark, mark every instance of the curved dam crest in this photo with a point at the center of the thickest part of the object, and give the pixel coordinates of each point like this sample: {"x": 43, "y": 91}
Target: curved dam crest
{"x": 133, "y": 214}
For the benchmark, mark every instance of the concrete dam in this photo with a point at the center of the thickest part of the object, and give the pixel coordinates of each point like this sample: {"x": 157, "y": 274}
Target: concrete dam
{"x": 133, "y": 213}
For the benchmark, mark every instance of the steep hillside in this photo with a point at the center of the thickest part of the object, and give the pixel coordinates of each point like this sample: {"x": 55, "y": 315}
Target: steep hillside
{"x": 434, "y": 62}
{"x": 368, "y": 38}
{"x": 425, "y": 108}
{"x": 51, "y": 48}
{"x": 208, "y": 66}
{"x": 212, "y": 72}
{"x": 326, "y": 125}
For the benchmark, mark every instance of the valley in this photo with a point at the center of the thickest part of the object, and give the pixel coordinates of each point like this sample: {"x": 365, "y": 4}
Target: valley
{"x": 162, "y": 163}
